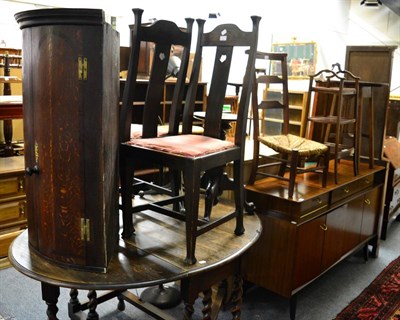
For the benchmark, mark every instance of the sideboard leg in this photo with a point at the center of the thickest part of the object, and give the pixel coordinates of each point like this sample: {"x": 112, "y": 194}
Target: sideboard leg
{"x": 292, "y": 306}
{"x": 188, "y": 311}
{"x": 50, "y": 294}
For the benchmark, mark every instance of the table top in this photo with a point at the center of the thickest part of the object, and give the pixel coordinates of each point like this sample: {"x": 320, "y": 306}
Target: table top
{"x": 155, "y": 255}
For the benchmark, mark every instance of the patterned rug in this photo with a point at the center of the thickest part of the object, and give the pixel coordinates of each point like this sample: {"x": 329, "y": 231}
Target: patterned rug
{"x": 380, "y": 300}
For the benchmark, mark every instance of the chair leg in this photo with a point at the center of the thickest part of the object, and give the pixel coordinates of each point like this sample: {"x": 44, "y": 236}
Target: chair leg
{"x": 126, "y": 177}
{"x": 255, "y": 162}
{"x": 239, "y": 196}
{"x": 212, "y": 190}
{"x": 191, "y": 180}
{"x": 336, "y": 167}
{"x": 293, "y": 170}
{"x": 326, "y": 168}
{"x": 282, "y": 167}
{"x": 371, "y": 132}
{"x": 175, "y": 187}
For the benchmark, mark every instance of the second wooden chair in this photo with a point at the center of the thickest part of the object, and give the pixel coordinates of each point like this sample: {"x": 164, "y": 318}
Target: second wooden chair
{"x": 290, "y": 151}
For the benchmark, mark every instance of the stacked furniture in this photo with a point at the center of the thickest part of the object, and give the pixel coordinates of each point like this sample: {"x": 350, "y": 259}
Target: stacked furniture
{"x": 188, "y": 154}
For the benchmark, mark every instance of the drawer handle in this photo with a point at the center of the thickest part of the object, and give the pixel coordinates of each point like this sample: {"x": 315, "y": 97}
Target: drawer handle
{"x": 346, "y": 190}
{"x": 318, "y": 200}
{"x": 367, "y": 201}
{"x": 30, "y": 171}
{"x": 22, "y": 208}
{"x": 21, "y": 184}
{"x": 366, "y": 181}
{"x": 324, "y": 227}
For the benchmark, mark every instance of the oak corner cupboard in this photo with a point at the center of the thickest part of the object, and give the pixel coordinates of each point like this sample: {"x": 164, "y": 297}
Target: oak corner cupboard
{"x": 70, "y": 99}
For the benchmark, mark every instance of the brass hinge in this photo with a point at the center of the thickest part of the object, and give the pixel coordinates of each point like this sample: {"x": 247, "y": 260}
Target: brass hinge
{"x": 36, "y": 152}
{"x": 85, "y": 229}
{"x": 82, "y": 68}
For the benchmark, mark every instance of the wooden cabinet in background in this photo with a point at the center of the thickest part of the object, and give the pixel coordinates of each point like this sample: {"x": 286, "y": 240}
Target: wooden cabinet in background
{"x": 12, "y": 202}
{"x": 373, "y": 64}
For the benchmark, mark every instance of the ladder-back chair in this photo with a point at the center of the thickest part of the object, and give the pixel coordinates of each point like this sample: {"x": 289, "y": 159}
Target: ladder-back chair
{"x": 291, "y": 152}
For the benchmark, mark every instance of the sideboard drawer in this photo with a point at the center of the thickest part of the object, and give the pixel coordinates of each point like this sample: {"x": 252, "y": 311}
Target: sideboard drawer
{"x": 11, "y": 186}
{"x": 12, "y": 211}
{"x": 313, "y": 205}
{"x": 351, "y": 188}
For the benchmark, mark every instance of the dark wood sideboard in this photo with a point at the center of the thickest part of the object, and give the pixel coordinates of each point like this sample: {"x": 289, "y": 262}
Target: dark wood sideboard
{"x": 304, "y": 237}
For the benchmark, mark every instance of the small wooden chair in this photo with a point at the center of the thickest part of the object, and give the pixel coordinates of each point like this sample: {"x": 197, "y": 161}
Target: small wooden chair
{"x": 194, "y": 154}
{"x": 334, "y": 119}
{"x": 291, "y": 150}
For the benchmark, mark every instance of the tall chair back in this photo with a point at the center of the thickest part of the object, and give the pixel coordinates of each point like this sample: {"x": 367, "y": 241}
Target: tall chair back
{"x": 224, "y": 38}
{"x": 163, "y": 34}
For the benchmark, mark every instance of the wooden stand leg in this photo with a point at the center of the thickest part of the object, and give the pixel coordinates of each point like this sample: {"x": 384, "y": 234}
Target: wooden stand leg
{"x": 207, "y": 303}
{"x": 121, "y": 303}
{"x": 237, "y": 295}
{"x": 50, "y": 294}
{"x": 73, "y": 293}
{"x": 92, "y": 305}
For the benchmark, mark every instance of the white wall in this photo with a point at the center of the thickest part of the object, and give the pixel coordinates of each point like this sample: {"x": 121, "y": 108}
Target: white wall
{"x": 332, "y": 24}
